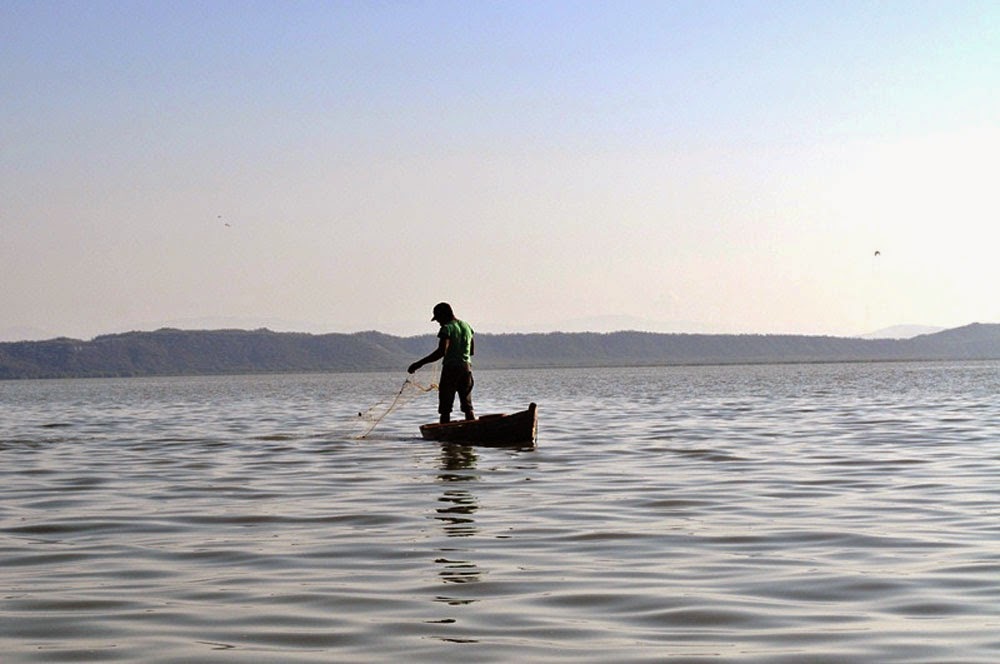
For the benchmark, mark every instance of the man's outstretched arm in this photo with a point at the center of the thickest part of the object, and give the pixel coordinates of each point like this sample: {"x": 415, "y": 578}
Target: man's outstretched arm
{"x": 433, "y": 357}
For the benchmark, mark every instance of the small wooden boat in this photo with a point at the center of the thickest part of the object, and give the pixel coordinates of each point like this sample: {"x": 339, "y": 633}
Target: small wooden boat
{"x": 513, "y": 430}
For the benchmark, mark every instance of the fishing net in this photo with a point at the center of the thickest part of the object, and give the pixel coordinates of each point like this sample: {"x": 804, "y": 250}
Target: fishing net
{"x": 412, "y": 388}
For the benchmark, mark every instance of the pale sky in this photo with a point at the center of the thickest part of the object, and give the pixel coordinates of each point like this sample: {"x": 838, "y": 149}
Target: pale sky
{"x": 343, "y": 166}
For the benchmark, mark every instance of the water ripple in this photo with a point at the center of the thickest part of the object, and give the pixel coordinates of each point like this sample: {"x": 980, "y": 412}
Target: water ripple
{"x": 760, "y": 514}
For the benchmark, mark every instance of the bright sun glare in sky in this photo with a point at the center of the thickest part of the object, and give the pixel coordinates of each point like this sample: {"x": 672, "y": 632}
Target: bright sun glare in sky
{"x": 670, "y": 166}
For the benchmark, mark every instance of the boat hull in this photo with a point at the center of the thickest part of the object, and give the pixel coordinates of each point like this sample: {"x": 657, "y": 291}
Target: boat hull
{"x": 513, "y": 430}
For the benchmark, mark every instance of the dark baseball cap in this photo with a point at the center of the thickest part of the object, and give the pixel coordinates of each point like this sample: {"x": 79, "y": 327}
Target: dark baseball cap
{"x": 442, "y": 310}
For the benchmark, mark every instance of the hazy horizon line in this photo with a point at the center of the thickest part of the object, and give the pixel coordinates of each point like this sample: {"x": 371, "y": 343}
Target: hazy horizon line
{"x": 20, "y": 334}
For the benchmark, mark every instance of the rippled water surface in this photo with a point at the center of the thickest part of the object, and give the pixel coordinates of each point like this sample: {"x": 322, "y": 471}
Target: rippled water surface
{"x": 795, "y": 513}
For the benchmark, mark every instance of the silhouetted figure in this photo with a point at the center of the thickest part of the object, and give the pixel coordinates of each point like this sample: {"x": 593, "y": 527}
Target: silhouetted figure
{"x": 456, "y": 347}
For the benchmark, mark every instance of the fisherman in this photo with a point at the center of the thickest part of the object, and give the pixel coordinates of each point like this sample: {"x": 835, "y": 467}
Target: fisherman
{"x": 456, "y": 347}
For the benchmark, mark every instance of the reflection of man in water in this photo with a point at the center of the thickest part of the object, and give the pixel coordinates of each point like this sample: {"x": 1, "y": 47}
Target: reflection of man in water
{"x": 456, "y": 347}
{"x": 460, "y": 503}
{"x": 457, "y": 515}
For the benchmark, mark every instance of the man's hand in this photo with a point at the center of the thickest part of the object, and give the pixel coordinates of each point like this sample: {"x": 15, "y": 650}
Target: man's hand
{"x": 413, "y": 367}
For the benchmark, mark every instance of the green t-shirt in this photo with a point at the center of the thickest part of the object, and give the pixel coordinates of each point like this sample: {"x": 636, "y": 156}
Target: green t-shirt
{"x": 459, "y": 335}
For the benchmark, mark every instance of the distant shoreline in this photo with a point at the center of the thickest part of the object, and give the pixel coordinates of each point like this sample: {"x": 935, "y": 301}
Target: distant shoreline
{"x": 172, "y": 352}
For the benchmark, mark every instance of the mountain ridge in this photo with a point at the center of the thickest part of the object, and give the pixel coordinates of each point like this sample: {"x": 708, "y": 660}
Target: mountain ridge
{"x": 170, "y": 351}
{"x": 902, "y": 332}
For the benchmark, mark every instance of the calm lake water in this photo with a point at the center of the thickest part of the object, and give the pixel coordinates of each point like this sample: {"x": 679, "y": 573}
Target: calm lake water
{"x": 793, "y": 513}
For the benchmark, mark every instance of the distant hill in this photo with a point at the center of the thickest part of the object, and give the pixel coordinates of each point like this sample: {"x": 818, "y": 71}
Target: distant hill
{"x": 902, "y": 332}
{"x": 178, "y": 352}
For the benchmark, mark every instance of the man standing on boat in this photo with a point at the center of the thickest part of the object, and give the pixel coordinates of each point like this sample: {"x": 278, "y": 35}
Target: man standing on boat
{"x": 456, "y": 347}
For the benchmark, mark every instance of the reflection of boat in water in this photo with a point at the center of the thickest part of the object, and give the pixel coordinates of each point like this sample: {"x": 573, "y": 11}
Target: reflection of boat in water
{"x": 513, "y": 430}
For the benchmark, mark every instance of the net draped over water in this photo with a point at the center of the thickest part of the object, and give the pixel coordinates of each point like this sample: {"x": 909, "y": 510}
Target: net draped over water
{"x": 412, "y": 388}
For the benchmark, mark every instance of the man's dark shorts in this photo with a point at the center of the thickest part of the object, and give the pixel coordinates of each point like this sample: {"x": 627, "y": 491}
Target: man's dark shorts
{"x": 455, "y": 379}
